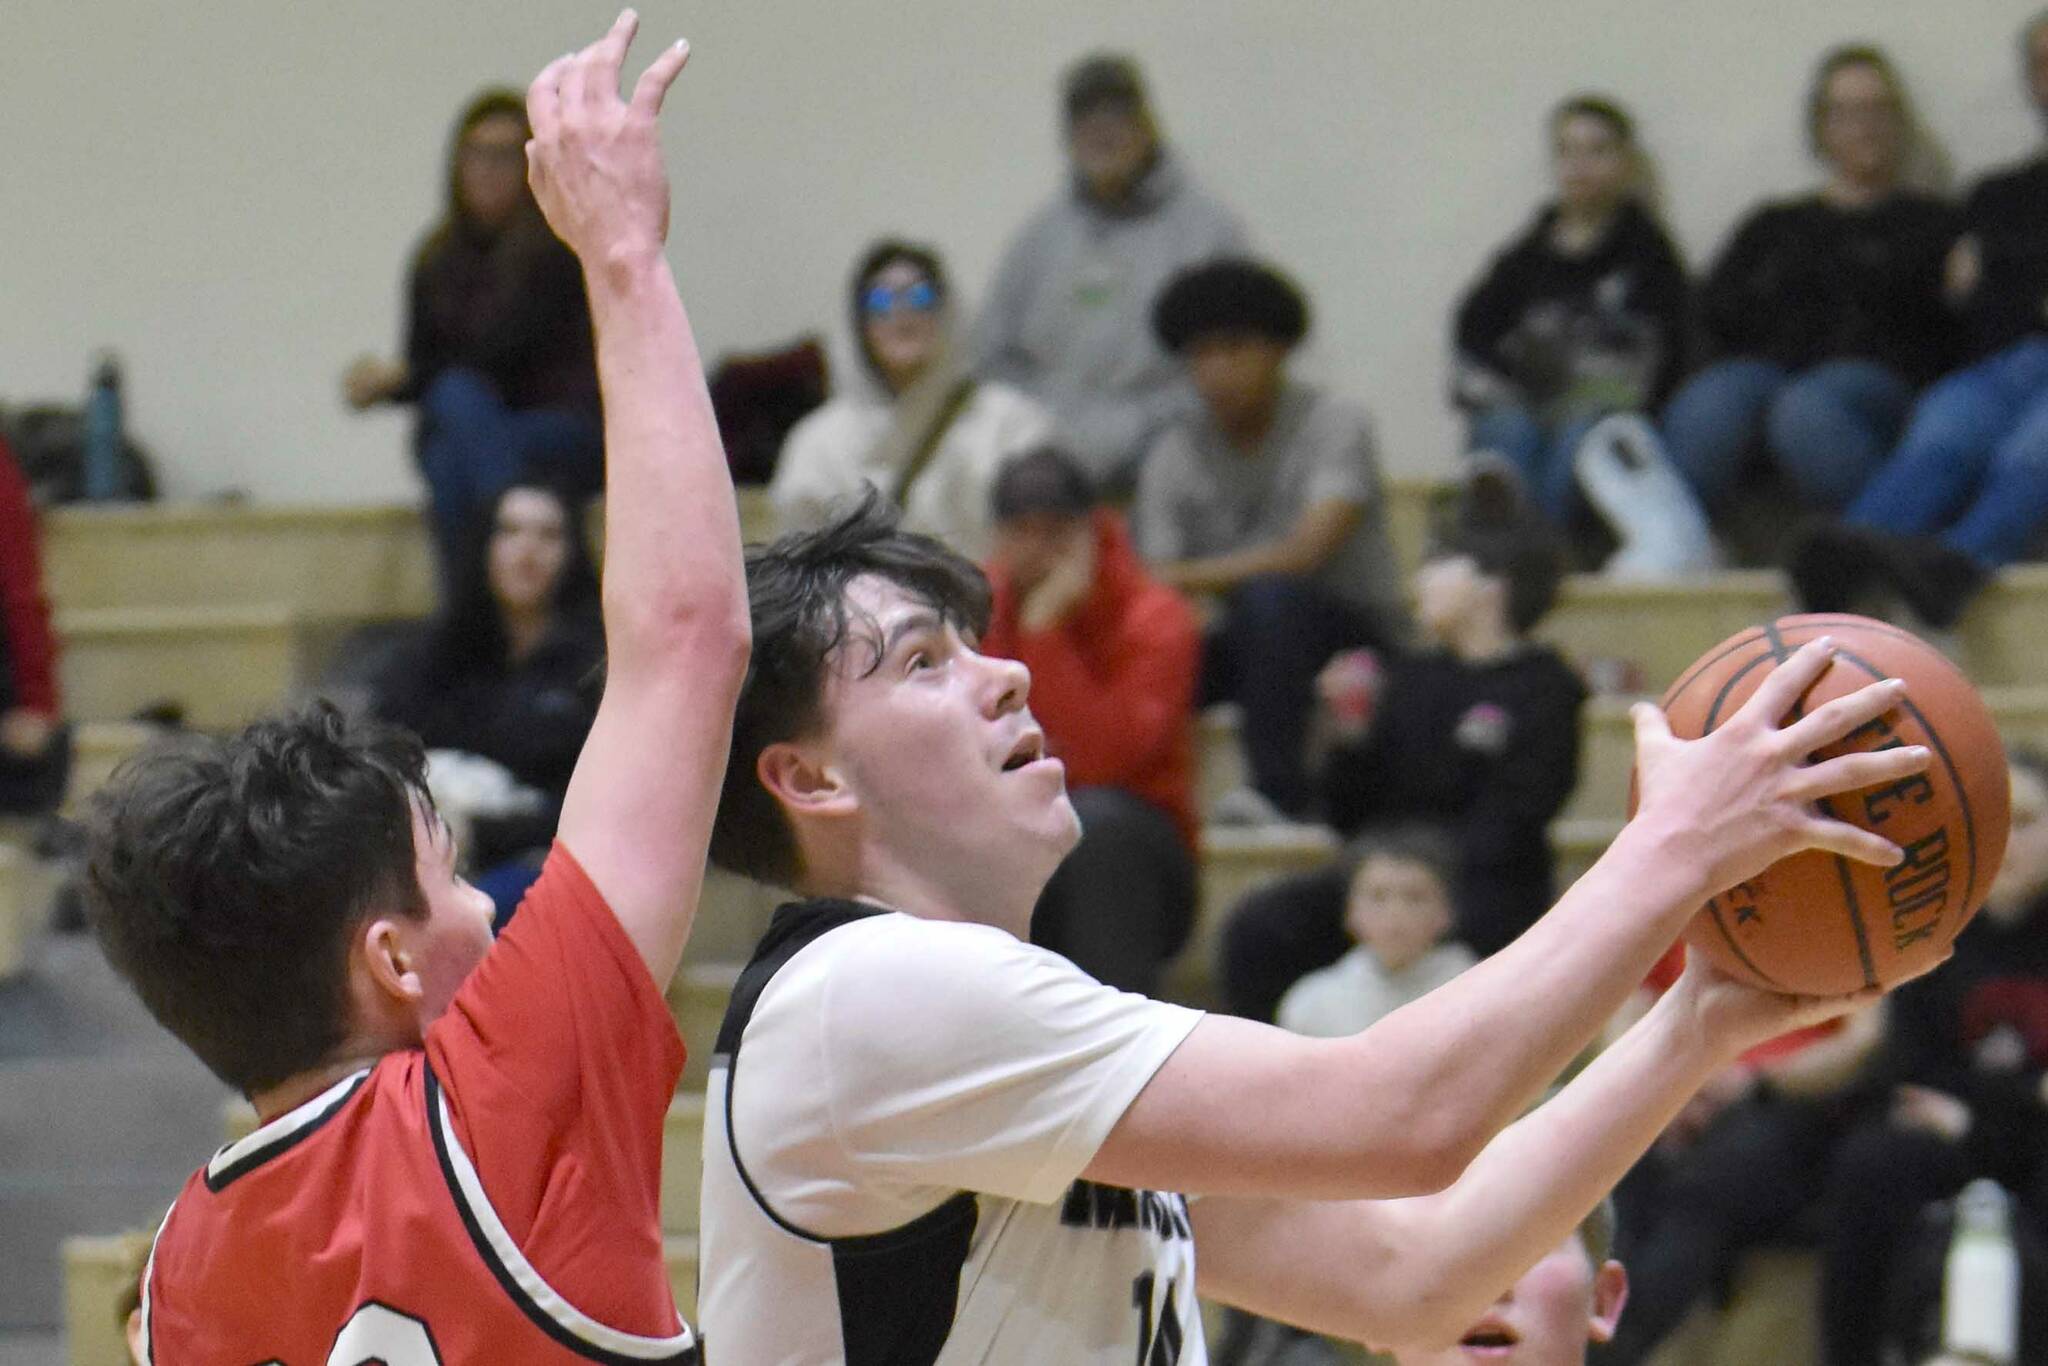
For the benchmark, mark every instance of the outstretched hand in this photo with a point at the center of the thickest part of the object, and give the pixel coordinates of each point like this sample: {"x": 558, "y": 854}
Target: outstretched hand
{"x": 595, "y": 158}
{"x": 1745, "y": 796}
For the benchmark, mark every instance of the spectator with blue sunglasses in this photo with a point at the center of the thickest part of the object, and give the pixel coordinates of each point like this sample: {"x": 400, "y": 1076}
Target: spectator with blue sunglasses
{"x": 911, "y": 420}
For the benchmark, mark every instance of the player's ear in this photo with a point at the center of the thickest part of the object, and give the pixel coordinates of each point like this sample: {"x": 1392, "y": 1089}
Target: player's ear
{"x": 1610, "y": 1293}
{"x": 389, "y": 963}
{"x": 804, "y": 781}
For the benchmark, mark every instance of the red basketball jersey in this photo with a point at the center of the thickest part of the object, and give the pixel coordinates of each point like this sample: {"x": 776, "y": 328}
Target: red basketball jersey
{"x": 490, "y": 1197}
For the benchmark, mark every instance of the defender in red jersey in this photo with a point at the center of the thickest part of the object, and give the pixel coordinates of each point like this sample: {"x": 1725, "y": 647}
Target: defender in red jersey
{"x": 459, "y": 1159}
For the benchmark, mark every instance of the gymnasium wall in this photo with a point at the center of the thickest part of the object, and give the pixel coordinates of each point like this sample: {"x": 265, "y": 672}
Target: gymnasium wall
{"x": 225, "y": 192}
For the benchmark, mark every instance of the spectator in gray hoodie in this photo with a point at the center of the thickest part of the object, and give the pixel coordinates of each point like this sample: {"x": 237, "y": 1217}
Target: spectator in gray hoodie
{"x": 1067, "y": 319}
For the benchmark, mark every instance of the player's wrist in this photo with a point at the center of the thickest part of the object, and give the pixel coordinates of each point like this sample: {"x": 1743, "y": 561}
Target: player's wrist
{"x": 1660, "y": 862}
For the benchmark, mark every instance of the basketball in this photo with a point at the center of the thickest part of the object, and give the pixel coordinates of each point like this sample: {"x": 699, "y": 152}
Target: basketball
{"x": 1820, "y": 924}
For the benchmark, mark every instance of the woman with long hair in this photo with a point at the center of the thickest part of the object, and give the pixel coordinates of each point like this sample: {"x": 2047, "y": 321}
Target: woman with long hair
{"x": 1824, "y": 313}
{"x": 498, "y": 352}
{"x": 507, "y": 673}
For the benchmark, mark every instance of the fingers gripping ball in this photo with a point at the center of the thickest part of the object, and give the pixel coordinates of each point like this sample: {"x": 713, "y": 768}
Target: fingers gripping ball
{"x": 1820, "y": 924}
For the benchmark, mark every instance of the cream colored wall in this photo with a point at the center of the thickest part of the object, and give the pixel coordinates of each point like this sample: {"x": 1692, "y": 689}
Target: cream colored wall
{"x": 225, "y": 191}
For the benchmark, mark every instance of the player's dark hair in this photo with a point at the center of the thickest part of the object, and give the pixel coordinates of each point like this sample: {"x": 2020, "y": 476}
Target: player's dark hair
{"x": 1229, "y": 295}
{"x": 796, "y": 595}
{"x": 1426, "y": 846}
{"x": 225, "y": 878}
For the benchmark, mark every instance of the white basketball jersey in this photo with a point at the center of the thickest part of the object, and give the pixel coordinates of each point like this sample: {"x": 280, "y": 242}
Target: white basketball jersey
{"x": 898, "y": 1117}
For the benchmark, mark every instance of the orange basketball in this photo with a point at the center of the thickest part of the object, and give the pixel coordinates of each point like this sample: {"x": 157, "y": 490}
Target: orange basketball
{"x": 1820, "y": 924}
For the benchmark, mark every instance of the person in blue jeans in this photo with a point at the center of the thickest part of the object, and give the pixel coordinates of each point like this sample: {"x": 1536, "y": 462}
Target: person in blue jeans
{"x": 1825, "y": 311}
{"x": 1581, "y": 315}
{"x": 498, "y": 355}
{"x": 1967, "y": 489}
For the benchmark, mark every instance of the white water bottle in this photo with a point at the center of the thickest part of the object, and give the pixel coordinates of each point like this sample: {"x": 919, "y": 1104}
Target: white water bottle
{"x": 1980, "y": 1299}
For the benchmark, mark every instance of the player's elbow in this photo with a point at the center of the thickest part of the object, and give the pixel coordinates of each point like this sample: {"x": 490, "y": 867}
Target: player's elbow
{"x": 707, "y": 633}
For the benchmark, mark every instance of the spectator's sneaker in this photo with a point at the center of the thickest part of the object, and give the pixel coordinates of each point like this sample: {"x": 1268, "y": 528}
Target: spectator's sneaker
{"x": 1936, "y": 581}
{"x": 1626, "y": 476}
{"x": 1835, "y": 567}
{"x": 1246, "y": 806}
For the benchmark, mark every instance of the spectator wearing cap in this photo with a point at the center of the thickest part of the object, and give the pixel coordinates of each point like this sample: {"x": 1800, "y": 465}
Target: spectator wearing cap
{"x": 1113, "y": 655}
{"x": 1267, "y": 496}
{"x": 1475, "y": 733}
{"x": 1065, "y": 319}
{"x": 912, "y": 421}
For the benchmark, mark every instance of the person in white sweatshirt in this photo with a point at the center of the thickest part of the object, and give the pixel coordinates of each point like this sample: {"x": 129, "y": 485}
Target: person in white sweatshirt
{"x": 911, "y": 421}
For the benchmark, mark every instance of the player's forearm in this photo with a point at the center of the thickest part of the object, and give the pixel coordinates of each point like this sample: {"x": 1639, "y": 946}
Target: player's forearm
{"x": 673, "y": 572}
{"x": 1488, "y": 1043}
{"x": 1448, "y": 1256}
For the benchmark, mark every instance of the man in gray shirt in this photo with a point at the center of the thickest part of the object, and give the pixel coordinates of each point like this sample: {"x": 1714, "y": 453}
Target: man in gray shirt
{"x": 1065, "y": 319}
{"x": 1268, "y": 496}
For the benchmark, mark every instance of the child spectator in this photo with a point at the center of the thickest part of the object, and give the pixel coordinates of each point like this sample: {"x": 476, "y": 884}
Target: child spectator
{"x": 1066, "y": 317}
{"x": 35, "y": 744}
{"x": 1580, "y": 316}
{"x": 1962, "y": 1081}
{"x": 912, "y": 422}
{"x": 498, "y": 351}
{"x": 1824, "y": 312}
{"x": 1397, "y": 911}
{"x": 508, "y": 673}
{"x": 1967, "y": 489}
{"x": 1268, "y": 496}
{"x": 1571, "y": 1298}
{"x": 1112, "y": 654}
{"x": 1478, "y": 734}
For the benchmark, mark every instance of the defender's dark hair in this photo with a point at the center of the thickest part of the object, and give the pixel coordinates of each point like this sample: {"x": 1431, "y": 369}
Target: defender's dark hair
{"x": 225, "y": 879}
{"x": 1415, "y": 843}
{"x": 1231, "y": 295}
{"x": 796, "y": 594}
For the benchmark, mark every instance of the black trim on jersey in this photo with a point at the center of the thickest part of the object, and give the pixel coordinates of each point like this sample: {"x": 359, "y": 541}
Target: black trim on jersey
{"x": 899, "y": 1289}
{"x": 241, "y": 1167}
{"x": 539, "y": 1317}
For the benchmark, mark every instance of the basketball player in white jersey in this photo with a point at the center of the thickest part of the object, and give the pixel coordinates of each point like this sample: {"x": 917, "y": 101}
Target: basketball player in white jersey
{"x": 929, "y": 1142}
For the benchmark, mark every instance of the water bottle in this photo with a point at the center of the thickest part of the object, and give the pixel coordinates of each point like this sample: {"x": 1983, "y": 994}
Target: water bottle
{"x": 102, "y": 433}
{"x": 1980, "y": 1299}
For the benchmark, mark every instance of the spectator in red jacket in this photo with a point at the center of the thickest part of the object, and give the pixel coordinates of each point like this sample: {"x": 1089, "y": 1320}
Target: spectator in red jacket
{"x": 1112, "y": 654}
{"x": 35, "y": 745}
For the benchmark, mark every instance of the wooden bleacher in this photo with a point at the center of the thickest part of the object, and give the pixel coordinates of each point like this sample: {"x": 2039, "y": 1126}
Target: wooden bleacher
{"x": 227, "y": 610}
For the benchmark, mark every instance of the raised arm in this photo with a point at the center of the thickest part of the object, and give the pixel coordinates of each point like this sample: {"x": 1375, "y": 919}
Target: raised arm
{"x": 638, "y": 811}
{"x": 1403, "y": 1108}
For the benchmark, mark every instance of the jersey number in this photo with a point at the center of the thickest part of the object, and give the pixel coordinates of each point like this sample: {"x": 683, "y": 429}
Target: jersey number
{"x": 377, "y": 1335}
{"x": 1158, "y": 1340}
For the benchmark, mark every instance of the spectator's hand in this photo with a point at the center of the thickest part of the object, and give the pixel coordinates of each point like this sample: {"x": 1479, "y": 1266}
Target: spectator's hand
{"x": 1737, "y": 801}
{"x": 370, "y": 380}
{"x": 1928, "y": 1111}
{"x": 1964, "y": 270}
{"x": 1348, "y": 687}
{"x": 1064, "y": 585}
{"x": 26, "y": 734}
{"x": 595, "y": 159}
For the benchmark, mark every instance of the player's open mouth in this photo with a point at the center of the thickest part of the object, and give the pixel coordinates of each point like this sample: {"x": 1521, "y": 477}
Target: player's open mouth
{"x": 1489, "y": 1340}
{"x": 1029, "y": 749}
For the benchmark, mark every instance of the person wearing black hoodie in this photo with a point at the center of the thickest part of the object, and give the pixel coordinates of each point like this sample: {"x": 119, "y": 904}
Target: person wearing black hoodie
{"x": 1580, "y": 316}
{"x": 1477, "y": 735}
{"x": 1963, "y": 1072}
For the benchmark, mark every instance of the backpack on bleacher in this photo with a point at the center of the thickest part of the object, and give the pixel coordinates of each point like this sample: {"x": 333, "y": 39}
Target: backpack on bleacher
{"x": 49, "y": 442}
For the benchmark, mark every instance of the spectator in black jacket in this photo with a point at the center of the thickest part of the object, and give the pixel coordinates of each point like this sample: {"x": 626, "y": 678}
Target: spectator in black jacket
{"x": 1967, "y": 489}
{"x": 1825, "y": 311}
{"x": 1964, "y": 1068}
{"x": 498, "y": 352}
{"x": 1477, "y": 735}
{"x": 507, "y": 673}
{"x": 1580, "y": 316}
